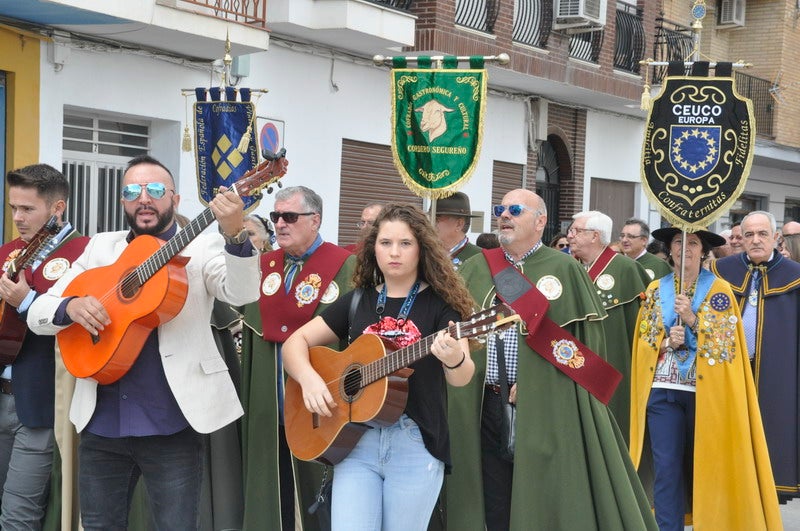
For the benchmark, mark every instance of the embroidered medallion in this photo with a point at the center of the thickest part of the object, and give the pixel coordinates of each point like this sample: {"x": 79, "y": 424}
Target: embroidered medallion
{"x": 566, "y": 353}
{"x": 550, "y": 287}
{"x": 271, "y": 263}
{"x": 55, "y": 268}
{"x": 271, "y": 284}
{"x": 650, "y": 273}
{"x": 720, "y": 302}
{"x": 307, "y": 291}
{"x": 11, "y": 256}
{"x": 331, "y": 294}
{"x": 605, "y": 282}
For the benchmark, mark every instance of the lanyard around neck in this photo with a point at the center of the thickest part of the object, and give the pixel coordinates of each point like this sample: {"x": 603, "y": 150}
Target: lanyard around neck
{"x": 407, "y": 304}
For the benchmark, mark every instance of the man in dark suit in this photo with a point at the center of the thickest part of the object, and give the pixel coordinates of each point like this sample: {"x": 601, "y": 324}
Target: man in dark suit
{"x": 27, "y": 382}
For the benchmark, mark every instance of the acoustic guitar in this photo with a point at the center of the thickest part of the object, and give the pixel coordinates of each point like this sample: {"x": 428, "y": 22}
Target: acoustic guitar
{"x": 12, "y": 327}
{"x": 144, "y": 288}
{"x": 369, "y": 382}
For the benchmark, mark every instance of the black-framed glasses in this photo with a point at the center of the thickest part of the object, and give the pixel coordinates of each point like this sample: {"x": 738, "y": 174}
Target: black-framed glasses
{"x": 514, "y": 210}
{"x": 626, "y": 236}
{"x": 131, "y": 192}
{"x": 288, "y": 217}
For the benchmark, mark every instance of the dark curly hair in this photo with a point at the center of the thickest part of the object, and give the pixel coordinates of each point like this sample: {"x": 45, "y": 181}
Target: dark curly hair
{"x": 435, "y": 267}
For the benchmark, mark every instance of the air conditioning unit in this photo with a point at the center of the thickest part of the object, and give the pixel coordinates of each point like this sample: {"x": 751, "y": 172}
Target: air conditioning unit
{"x": 579, "y": 14}
{"x": 731, "y": 12}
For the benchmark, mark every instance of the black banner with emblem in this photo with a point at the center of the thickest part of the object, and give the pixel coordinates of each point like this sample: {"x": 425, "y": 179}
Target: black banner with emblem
{"x": 698, "y": 149}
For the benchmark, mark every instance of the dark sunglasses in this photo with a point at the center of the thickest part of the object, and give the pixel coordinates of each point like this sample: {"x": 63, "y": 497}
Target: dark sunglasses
{"x": 562, "y": 245}
{"x": 131, "y": 192}
{"x": 514, "y": 210}
{"x": 288, "y": 217}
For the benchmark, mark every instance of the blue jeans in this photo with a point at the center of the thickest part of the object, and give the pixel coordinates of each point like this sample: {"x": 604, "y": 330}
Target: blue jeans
{"x": 172, "y": 469}
{"x": 388, "y": 482}
{"x": 670, "y": 420}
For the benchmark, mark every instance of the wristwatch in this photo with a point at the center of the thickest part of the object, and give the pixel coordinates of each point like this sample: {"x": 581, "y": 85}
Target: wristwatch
{"x": 237, "y": 239}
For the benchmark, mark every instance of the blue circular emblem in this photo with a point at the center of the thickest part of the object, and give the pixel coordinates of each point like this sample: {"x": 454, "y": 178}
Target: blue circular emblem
{"x": 720, "y": 302}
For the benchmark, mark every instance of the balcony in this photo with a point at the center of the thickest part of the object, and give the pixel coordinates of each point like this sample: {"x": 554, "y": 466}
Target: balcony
{"x": 195, "y": 29}
{"x": 630, "y": 44}
{"x": 758, "y": 90}
{"x": 673, "y": 43}
{"x": 479, "y": 15}
{"x": 533, "y": 21}
{"x": 586, "y": 46}
{"x": 359, "y": 26}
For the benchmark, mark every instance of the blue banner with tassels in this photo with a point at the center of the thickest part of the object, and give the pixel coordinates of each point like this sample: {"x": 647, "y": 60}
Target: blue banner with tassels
{"x": 225, "y": 146}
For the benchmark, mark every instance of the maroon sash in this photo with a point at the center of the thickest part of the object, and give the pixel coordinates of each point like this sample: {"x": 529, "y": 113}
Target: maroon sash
{"x": 282, "y": 313}
{"x": 600, "y": 264}
{"x": 557, "y": 346}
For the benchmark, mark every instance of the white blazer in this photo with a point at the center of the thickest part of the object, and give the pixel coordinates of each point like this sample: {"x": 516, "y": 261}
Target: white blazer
{"x": 195, "y": 370}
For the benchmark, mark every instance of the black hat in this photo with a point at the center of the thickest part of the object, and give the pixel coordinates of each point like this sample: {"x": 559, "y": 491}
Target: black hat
{"x": 667, "y": 234}
{"x": 455, "y": 205}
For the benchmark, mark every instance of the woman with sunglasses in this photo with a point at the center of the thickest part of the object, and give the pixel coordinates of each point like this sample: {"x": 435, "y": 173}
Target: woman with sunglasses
{"x": 407, "y": 290}
{"x": 692, "y": 392}
{"x": 560, "y": 242}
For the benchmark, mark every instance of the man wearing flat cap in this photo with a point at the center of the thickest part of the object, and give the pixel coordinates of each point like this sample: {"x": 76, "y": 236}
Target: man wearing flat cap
{"x": 452, "y": 223}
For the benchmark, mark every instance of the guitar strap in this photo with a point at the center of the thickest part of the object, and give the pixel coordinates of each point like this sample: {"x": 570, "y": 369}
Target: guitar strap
{"x": 57, "y": 263}
{"x": 556, "y": 345}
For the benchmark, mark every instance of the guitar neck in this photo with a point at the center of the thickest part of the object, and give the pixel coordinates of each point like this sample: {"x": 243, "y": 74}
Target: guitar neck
{"x": 401, "y": 358}
{"x": 175, "y": 245}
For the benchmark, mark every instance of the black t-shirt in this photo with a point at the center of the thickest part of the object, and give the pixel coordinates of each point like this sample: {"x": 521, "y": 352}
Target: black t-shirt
{"x": 427, "y": 393}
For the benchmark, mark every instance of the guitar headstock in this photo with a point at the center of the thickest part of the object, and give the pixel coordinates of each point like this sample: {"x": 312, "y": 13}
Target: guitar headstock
{"x": 263, "y": 175}
{"x": 40, "y": 245}
{"x": 493, "y": 319}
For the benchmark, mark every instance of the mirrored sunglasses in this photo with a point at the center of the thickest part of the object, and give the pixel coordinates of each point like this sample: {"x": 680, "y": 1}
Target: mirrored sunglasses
{"x": 288, "y": 217}
{"x": 131, "y": 192}
{"x": 514, "y": 210}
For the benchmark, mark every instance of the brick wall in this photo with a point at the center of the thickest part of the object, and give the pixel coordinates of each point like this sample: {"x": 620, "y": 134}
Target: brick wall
{"x": 569, "y": 126}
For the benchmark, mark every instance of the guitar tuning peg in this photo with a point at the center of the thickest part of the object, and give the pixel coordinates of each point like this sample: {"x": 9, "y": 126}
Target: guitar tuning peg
{"x": 280, "y": 184}
{"x": 269, "y": 189}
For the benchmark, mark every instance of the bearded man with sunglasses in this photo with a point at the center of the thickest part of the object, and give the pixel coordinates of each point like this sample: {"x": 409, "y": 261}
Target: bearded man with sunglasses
{"x": 570, "y": 468}
{"x": 298, "y": 281}
{"x": 148, "y": 423}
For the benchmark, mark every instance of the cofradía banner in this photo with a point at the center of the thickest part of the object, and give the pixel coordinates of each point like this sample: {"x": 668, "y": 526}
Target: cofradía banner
{"x": 698, "y": 146}
{"x": 225, "y": 149}
{"x": 437, "y": 125}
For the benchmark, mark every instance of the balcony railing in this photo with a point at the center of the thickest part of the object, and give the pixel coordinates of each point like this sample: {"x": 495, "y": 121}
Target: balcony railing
{"x": 757, "y": 90}
{"x": 403, "y": 5}
{"x": 630, "y": 44}
{"x": 533, "y": 20}
{"x": 250, "y": 12}
{"x": 586, "y": 46}
{"x": 477, "y": 14}
{"x": 673, "y": 43}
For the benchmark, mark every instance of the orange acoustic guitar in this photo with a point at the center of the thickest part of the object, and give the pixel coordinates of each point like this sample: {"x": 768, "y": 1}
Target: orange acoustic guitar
{"x": 12, "y": 327}
{"x": 369, "y": 385}
{"x": 143, "y": 289}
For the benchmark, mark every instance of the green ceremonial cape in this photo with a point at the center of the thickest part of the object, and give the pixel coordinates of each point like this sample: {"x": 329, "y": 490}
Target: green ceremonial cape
{"x": 620, "y": 286}
{"x": 655, "y": 266}
{"x": 466, "y": 252}
{"x": 571, "y": 469}
{"x": 260, "y": 425}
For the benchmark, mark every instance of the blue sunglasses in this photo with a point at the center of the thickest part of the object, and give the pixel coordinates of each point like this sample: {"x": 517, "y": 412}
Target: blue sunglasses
{"x": 514, "y": 210}
{"x": 131, "y": 192}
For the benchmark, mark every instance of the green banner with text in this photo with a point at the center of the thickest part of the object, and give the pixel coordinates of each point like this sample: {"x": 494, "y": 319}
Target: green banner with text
{"x": 437, "y": 127}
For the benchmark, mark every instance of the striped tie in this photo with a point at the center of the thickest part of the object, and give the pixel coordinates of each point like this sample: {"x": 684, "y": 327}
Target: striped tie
{"x": 750, "y": 312}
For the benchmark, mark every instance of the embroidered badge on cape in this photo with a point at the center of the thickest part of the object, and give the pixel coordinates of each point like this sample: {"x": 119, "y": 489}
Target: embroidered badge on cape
{"x": 331, "y": 294}
{"x": 271, "y": 284}
{"x": 605, "y": 282}
{"x": 550, "y": 287}
{"x": 307, "y": 291}
{"x": 720, "y": 302}
{"x": 55, "y": 268}
{"x": 566, "y": 353}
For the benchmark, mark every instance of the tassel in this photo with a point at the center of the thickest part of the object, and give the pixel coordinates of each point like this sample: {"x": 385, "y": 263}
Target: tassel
{"x": 645, "y": 105}
{"x": 244, "y": 143}
{"x": 186, "y": 144}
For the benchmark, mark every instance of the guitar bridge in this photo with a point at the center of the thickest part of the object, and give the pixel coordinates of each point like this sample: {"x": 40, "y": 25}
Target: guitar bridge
{"x": 315, "y": 420}
{"x": 95, "y": 338}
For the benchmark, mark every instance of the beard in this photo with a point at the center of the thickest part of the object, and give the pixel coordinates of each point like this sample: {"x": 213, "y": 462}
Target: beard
{"x": 164, "y": 220}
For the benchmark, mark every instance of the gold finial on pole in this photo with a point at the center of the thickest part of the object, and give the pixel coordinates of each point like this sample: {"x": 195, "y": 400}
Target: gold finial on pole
{"x": 227, "y": 60}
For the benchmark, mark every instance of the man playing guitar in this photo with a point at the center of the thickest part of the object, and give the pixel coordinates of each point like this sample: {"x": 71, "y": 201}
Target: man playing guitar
{"x": 148, "y": 422}
{"x": 36, "y": 194}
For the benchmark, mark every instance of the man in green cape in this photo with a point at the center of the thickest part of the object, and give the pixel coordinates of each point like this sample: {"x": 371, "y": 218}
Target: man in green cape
{"x": 452, "y": 222}
{"x": 297, "y": 282}
{"x": 571, "y": 468}
{"x": 620, "y": 282}
{"x": 633, "y": 240}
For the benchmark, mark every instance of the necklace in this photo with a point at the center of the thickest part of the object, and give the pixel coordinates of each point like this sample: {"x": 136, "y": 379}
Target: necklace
{"x": 689, "y": 289}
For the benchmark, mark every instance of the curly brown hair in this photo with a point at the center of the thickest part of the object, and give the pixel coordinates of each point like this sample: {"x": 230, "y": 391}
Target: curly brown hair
{"x": 435, "y": 267}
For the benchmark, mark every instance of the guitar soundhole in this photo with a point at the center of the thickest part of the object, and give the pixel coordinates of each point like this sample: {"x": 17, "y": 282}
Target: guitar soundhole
{"x": 352, "y": 384}
{"x": 129, "y": 286}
